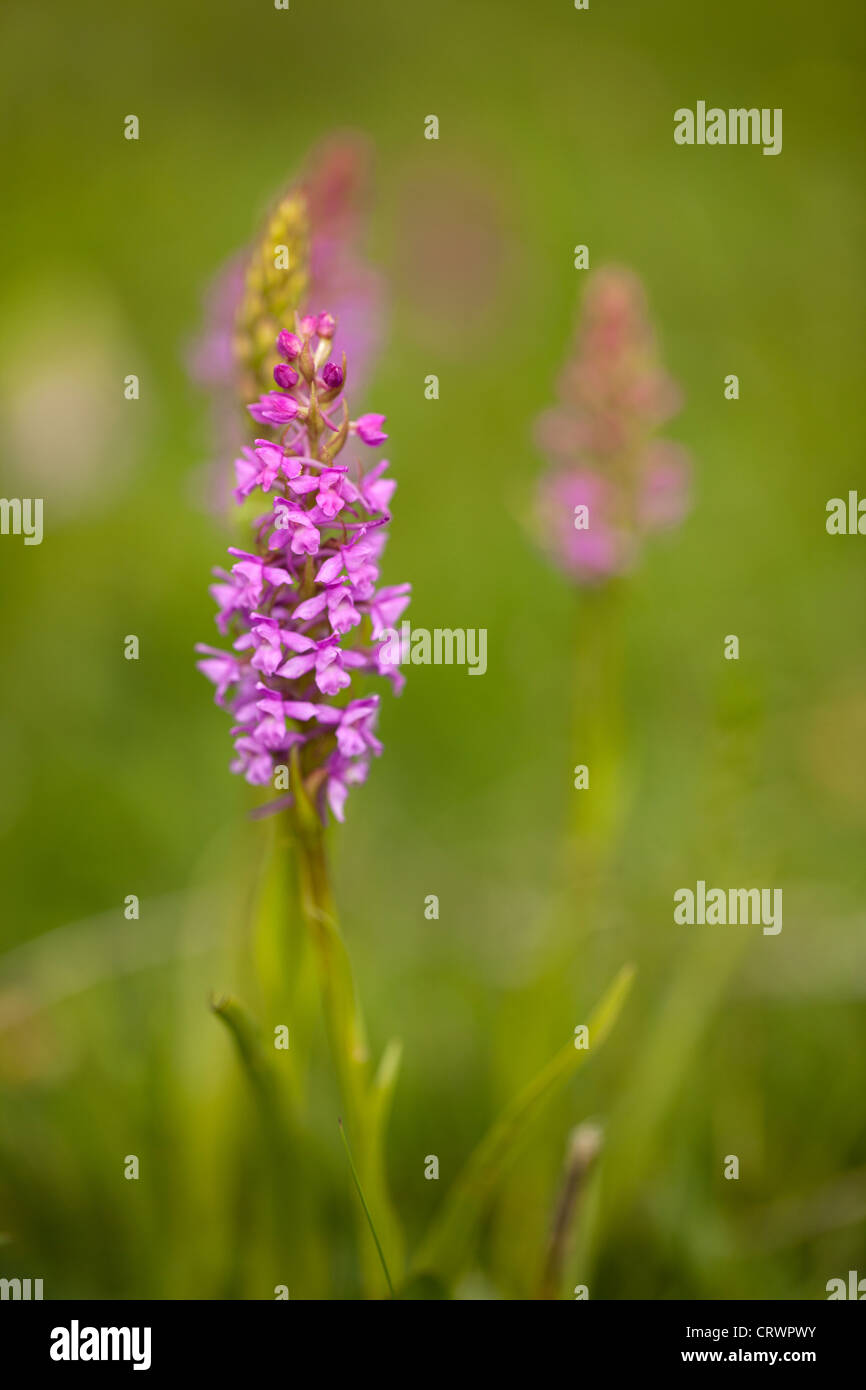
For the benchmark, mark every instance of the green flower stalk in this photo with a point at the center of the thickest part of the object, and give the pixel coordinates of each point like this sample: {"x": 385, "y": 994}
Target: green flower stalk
{"x": 612, "y": 483}
{"x": 305, "y": 613}
{"x": 364, "y": 1096}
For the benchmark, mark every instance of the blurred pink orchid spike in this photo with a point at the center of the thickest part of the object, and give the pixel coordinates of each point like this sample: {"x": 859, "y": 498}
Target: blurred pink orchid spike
{"x": 612, "y": 482}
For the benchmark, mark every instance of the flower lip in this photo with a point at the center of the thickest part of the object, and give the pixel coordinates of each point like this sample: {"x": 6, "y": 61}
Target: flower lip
{"x": 274, "y": 409}
{"x": 369, "y": 428}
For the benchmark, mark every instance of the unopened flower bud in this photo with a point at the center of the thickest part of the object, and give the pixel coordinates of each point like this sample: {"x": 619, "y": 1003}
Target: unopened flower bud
{"x": 307, "y": 326}
{"x": 285, "y": 376}
{"x": 332, "y": 375}
{"x": 326, "y": 325}
{"x": 288, "y": 345}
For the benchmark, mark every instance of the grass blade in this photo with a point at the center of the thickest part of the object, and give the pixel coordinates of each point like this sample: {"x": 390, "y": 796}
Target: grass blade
{"x": 364, "y": 1205}
{"x": 449, "y": 1242}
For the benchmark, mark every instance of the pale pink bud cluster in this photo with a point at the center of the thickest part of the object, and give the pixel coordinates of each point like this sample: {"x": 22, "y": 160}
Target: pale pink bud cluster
{"x": 336, "y": 184}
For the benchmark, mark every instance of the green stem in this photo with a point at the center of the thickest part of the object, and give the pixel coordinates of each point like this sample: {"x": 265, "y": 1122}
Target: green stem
{"x": 360, "y": 1098}
{"x": 598, "y": 740}
{"x": 343, "y": 1020}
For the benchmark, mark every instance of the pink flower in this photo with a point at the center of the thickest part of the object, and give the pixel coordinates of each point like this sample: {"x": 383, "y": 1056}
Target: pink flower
{"x": 577, "y": 510}
{"x": 289, "y": 345}
{"x": 666, "y": 474}
{"x": 274, "y": 409}
{"x": 369, "y": 427}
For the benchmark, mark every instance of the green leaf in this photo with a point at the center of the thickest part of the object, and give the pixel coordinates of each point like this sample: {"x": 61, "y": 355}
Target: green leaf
{"x": 247, "y": 1038}
{"x": 449, "y": 1242}
{"x": 365, "y": 1100}
{"x": 383, "y": 1085}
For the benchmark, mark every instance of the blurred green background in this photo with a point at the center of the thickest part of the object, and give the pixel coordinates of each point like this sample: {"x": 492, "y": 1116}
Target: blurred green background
{"x": 555, "y": 129}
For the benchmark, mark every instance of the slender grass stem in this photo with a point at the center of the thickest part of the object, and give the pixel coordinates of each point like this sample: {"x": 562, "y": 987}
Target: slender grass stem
{"x": 364, "y": 1205}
